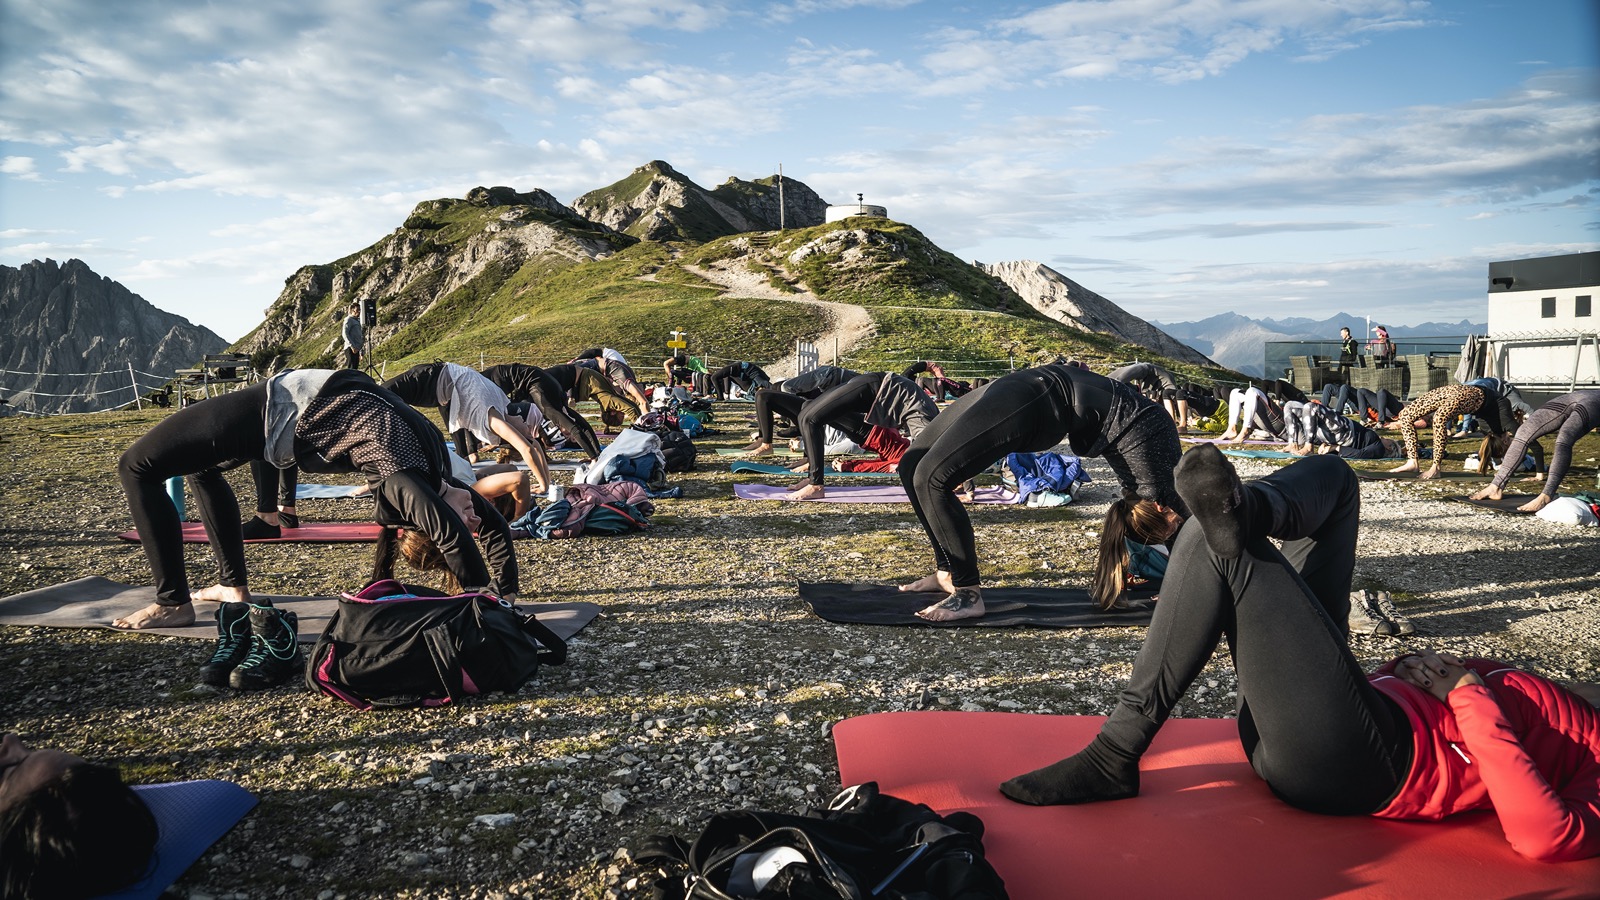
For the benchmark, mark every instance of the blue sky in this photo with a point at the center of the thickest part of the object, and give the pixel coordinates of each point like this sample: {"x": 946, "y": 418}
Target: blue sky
{"x": 1181, "y": 157}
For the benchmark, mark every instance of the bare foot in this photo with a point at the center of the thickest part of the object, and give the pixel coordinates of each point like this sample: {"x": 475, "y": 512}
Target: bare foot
{"x": 964, "y": 603}
{"x": 927, "y": 584}
{"x": 1409, "y": 465}
{"x": 158, "y": 616}
{"x": 1225, "y": 436}
{"x": 802, "y": 483}
{"x": 807, "y": 491}
{"x": 1536, "y": 504}
{"x": 1433, "y": 472}
{"x": 757, "y": 448}
{"x": 1486, "y": 493}
{"x": 222, "y": 593}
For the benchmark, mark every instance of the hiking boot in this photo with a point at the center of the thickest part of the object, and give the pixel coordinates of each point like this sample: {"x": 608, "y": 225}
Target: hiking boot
{"x": 233, "y": 643}
{"x": 1390, "y": 612}
{"x": 275, "y": 654}
{"x": 1367, "y": 618}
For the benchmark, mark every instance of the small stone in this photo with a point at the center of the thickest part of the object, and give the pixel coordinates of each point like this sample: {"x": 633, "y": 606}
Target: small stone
{"x": 495, "y": 820}
{"x": 781, "y": 719}
{"x": 341, "y": 806}
{"x": 299, "y": 861}
{"x": 613, "y": 801}
{"x": 414, "y": 859}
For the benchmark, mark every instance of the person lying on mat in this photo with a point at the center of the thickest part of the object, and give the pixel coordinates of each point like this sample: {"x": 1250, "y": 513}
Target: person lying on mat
{"x": 1031, "y": 411}
{"x": 69, "y": 829}
{"x": 1250, "y": 408}
{"x": 876, "y": 398}
{"x": 1570, "y": 417}
{"x": 1442, "y": 405}
{"x": 326, "y": 421}
{"x": 787, "y": 398}
{"x": 471, "y": 405}
{"x": 1424, "y": 737}
{"x": 531, "y": 384}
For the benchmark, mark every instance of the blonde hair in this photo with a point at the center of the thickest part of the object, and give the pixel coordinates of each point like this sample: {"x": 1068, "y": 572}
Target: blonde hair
{"x": 424, "y": 556}
{"x": 1140, "y": 520}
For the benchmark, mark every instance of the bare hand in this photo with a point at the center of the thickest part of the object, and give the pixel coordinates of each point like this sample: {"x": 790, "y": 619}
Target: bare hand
{"x": 1436, "y": 673}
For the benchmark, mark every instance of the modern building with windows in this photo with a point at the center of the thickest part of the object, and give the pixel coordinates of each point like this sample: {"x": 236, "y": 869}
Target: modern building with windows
{"x": 1543, "y": 331}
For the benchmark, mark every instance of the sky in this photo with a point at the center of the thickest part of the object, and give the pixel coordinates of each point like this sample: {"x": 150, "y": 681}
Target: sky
{"x": 1183, "y": 158}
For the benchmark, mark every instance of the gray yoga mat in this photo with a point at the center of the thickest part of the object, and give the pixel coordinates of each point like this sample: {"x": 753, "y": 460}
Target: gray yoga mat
{"x": 885, "y": 493}
{"x": 326, "y": 491}
{"x": 885, "y": 604}
{"x": 94, "y": 602}
{"x": 1506, "y": 504}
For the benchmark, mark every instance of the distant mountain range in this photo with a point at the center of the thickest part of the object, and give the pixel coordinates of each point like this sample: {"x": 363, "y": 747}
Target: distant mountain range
{"x": 71, "y": 335}
{"x": 1238, "y": 342}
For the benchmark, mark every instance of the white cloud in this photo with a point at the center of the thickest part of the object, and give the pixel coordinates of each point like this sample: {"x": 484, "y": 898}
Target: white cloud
{"x": 19, "y": 167}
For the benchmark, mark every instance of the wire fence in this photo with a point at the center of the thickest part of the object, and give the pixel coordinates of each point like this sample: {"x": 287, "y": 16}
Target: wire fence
{"x": 132, "y": 388}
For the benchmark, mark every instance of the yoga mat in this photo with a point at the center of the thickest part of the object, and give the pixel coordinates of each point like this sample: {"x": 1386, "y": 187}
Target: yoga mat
{"x": 1260, "y": 454}
{"x": 1203, "y": 826}
{"x": 883, "y": 604}
{"x": 326, "y": 491}
{"x": 307, "y": 533}
{"x": 191, "y": 815}
{"x": 95, "y": 602}
{"x": 1412, "y": 476}
{"x": 1506, "y": 504}
{"x": 783, "y": 453}
{"x": 886, "y": 493}
{"x": 1195, "y": 440}
{"x": 773, "y": 469}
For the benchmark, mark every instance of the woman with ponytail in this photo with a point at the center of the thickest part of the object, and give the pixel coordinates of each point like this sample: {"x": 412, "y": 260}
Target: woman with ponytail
{"x": 1031, "y": 411}
{"x": 1131, "y": 524}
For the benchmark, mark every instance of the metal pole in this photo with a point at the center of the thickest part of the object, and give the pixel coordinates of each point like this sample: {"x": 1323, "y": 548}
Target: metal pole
{"x": 140, "y": 400}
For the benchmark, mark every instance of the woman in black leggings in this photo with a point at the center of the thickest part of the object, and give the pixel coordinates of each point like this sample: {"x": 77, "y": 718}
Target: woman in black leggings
{"x": 1328, "y": 741}
{"x": 788, "y": 398}
{"x": 325, "y": 421}
{"x": 876, "y": 398}
{"x": 531, "y": 384}
{"x": 1029, "y": 412}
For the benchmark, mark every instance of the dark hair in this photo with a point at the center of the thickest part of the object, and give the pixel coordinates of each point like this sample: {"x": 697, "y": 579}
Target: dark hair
{"x": 1140, "y": 520}
{"x": 82, "y": 834}
{"x": 424, "y": 556}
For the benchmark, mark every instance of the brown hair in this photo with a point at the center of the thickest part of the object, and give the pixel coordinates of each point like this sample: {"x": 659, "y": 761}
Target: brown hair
{"x": 424, "y": 556}
{"x": 1139, "y": 520}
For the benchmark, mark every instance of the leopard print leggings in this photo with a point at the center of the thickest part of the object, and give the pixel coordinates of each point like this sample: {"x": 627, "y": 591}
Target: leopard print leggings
{"x": 1444, "y": 404}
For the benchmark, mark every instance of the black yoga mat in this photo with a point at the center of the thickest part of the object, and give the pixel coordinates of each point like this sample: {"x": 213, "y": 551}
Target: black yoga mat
{"x": 1380, "y": 475}
{"x": 94, "y": 602}
{"x": 884, "y": 604}
{"x": 1506, "y": 504}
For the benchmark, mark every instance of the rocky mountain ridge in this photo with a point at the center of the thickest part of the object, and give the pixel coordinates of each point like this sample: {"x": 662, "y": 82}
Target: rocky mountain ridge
{"x": 658, "y": 203}
{"x": 71, "y": 335}
{"x": 1238, "y": 341}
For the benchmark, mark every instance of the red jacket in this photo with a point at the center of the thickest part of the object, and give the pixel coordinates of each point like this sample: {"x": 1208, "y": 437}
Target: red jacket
{"x": 1518, "y": 744}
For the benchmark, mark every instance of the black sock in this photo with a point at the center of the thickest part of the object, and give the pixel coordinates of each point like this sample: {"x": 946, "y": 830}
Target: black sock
{"x": 1097, "y": 772}
{"x": 1210, "y": 488}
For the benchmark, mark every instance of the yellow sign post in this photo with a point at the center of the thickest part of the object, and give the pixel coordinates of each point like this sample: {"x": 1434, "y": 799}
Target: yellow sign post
{"x": 680, "y": 340}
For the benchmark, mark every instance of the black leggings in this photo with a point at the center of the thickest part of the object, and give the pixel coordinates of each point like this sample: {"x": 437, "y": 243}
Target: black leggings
{"x": 1315, "y": 729}
{"x": 772, "y": 402}
{"x": 275, "y": 487}
{"x": 1360, "y": 400}
{"x": 202, "y": 442}
{"x": 1011, "y": 415}
{"x": 845, "y": 408}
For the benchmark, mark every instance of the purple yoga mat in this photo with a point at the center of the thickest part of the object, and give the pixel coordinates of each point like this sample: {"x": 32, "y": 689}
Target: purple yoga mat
{"x": 887, "y": 493}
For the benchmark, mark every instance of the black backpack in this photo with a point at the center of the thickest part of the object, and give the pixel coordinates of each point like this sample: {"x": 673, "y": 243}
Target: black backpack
{"x": 677, "y": 449}
{"x": 392, "y": 645}
{"x": 865, "y": 844}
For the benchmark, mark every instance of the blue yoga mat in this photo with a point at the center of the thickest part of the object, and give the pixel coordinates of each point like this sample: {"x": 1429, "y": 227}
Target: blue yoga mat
{"x": 326, "y": 491}
{"x": 192, "y": 816}
{"x": 1260, "y": 454}
{"x": 774, "y": 469}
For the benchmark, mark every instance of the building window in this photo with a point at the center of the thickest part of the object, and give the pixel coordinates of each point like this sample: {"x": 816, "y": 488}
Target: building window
{"x": 1581, "y": 307}
{"x": 1547, "y": 308}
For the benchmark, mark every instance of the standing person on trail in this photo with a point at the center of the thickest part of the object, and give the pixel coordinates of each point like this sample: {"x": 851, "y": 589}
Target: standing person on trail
{"x": 353, "y": 336}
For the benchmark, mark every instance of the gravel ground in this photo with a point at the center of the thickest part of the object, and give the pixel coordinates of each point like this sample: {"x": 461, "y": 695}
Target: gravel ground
{"x": 704, "y": 685}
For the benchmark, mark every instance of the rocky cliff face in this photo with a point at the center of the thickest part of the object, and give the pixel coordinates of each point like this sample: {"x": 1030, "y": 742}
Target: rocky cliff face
{"x": 444, "y": 246}
{"x": 74, "y": 333}
{"x": 1070, "y": 303}
{"x": 658, "y": 203}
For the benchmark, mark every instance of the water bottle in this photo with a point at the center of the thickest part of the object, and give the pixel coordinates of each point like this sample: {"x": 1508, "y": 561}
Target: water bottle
{"x": 175, "y": 492}
{"x": 554, "y": 493}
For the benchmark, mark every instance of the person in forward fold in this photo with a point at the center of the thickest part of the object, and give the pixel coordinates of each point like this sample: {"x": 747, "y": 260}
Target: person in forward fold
{"x": 1425, "y": 737}
{"x": 1031, "y": 411}
{"x": 1441, "y": 405}
{"x": 324, "y": 421}
{"x": 611, "y": 364}
{"x": 531, "y": 384}
{"x": 584, "y": 384}
{"x": 875, "y": 398}
{"x": 473, "y": 408}
{"x": 1569, "y": 417}
{"x": 1160, "y": 386}
{"x": 747, "y": 375}
{"x": 787, "y": 399}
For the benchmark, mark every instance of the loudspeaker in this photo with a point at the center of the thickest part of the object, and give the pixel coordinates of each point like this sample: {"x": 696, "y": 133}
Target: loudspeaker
{"x": 369, "y": 313}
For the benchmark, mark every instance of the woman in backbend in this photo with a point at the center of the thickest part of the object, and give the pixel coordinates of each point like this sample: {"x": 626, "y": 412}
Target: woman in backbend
{"x": 1569, "y": 416}
{"x": 876, "y": 398}
{"x": 1425, "y": 737}
{"x": 1442, "y": 405}
{"x": 471, "y": 403}
{"x": 1031, "y": 411}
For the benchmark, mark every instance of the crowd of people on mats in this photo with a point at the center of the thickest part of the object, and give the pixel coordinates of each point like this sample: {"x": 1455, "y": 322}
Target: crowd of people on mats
{"x": 1266, "y": 564}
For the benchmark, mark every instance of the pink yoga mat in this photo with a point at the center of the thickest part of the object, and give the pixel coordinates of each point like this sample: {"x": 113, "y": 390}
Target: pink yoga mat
{"x": 308, "y": 533}
{"x": 886, "y": 493}
{"x": 1203, "y": 825}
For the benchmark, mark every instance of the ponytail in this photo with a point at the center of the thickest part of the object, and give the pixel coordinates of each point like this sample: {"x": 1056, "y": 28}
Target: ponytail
{"x": 1128, "y": 518}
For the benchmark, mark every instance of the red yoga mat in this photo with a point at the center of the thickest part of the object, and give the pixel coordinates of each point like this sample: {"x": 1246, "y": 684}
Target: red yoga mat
{"x": 1202, "y": 826}
{"x": 307, "y": 533}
